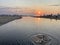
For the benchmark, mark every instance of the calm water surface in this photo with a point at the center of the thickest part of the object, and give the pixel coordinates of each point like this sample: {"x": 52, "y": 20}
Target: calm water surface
{"x": 19, "y": 32}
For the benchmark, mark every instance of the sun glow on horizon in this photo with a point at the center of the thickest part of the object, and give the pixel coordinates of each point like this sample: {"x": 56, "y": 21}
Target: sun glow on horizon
{"x": 38, "y": 13}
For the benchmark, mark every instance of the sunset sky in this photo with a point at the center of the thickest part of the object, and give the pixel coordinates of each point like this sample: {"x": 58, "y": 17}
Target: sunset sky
{"x": 30, "y": 6}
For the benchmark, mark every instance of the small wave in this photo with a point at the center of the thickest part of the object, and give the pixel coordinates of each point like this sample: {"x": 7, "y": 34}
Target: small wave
{"x": 44, "y": 39}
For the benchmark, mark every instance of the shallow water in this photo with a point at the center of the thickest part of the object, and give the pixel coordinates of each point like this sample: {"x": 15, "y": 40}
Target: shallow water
{"x": 19, "y": 32}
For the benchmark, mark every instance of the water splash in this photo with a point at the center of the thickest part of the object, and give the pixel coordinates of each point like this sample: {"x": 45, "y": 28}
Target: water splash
{"x": 44, "y": 39}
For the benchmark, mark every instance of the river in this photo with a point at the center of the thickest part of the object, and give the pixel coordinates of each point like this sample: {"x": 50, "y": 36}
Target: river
{"x": 19, "y": 32}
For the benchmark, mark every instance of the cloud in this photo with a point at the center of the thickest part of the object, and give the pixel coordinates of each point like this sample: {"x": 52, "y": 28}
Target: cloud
{"x": 55, "y": 5}
{"x": 15, "y": 10}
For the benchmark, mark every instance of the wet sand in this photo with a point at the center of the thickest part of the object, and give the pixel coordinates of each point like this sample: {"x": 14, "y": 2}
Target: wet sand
{"x": 7, "y": 18}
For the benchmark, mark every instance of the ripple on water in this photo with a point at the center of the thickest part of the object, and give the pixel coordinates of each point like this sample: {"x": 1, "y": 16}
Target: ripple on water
{"x": 39, "y": 39}
{"x": 44, "y": 39}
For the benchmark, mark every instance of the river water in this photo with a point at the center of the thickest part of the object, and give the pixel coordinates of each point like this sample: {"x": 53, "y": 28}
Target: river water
{"x": 19, "y": 32}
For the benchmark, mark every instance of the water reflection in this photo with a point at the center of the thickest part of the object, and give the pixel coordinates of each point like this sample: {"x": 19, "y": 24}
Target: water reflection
{"x": 37, "y": 21}
{"x": 18, "y": 32}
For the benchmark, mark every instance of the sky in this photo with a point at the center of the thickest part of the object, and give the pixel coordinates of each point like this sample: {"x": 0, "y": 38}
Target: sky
{"x": 30, "y": 6}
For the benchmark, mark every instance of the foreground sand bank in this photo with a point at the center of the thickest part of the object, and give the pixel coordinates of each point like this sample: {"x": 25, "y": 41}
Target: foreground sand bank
{"x": 7, "y": 18}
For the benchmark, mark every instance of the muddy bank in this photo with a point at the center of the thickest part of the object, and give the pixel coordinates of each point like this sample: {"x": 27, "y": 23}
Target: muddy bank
{"x": 7, "y": 18}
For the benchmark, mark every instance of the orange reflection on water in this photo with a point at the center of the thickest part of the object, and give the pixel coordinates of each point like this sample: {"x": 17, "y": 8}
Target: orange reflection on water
{"x": 37, "y": 20}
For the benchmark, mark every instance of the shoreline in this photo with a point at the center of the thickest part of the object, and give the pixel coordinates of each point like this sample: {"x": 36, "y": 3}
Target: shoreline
{"x": 7, "y": 18}
{"x": 56, "y": 17}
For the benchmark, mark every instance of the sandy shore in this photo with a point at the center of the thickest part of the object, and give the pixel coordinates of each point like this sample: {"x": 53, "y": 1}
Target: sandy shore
{"x": 7, "y": 18}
